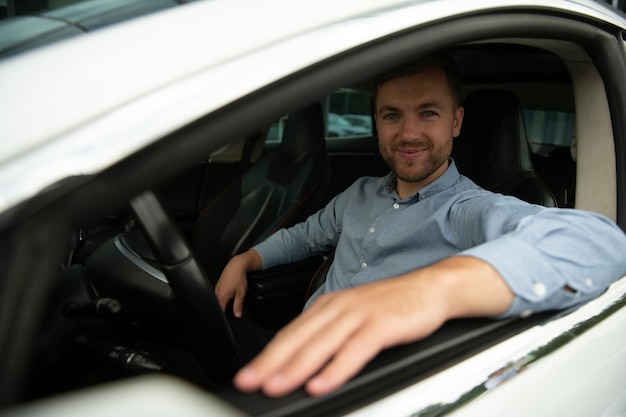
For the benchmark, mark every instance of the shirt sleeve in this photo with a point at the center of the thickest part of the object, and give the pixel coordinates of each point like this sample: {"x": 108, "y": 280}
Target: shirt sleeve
{"x": 317, "y": 235}
{"x": 555, "y": 258}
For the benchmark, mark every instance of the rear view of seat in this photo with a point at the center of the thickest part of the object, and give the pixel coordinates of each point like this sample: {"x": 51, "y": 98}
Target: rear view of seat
{"x": 281, "y": 188}
{"x": 493, "y": 148}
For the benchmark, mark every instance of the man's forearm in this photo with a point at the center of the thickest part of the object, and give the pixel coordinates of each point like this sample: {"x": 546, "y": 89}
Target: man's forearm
{"x": 249, "y": 261}
{"x": 472, "y": 287}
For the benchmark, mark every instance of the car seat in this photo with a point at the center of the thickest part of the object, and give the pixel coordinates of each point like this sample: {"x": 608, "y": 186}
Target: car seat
{"x": 283, "y": 187}
{"x": 493, "y": 149}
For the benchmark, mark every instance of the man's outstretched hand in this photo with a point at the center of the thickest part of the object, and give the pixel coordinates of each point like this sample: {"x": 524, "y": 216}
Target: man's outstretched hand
{"x": 333, "y": 339}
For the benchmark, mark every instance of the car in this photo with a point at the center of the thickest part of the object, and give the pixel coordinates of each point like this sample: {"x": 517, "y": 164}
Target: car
{"x": 339, "y": 126}
{"x": 135, "y": 160}
{"x": 361, "y": 120}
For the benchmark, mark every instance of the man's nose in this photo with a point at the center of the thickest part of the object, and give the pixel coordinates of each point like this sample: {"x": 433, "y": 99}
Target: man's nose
{"x": 410, "y": 128}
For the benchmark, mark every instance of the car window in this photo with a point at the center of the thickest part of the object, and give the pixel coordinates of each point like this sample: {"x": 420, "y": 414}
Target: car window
{"x": 347, "y": 114}
{"x": 548, "y": 130}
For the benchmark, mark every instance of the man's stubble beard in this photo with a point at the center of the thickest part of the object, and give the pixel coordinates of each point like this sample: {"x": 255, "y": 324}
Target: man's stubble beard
{"x": 415, "y": 171}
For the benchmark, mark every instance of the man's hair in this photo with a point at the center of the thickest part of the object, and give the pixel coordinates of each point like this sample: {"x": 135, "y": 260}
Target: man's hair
{"x": 439, "y": 61}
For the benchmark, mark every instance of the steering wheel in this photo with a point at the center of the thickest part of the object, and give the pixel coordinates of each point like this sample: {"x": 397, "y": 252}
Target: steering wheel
{"x": 213, "y": 340}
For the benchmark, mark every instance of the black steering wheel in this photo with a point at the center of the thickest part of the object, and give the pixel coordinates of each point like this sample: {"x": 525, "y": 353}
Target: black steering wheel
{"x": 213, "y": 340}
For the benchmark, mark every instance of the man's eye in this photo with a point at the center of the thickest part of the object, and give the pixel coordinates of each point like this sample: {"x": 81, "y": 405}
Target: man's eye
{"x": 429, "y": 113}
{"x": 390, "y": 116}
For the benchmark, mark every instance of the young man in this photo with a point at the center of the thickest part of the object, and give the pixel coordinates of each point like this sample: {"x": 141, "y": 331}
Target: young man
{"x": 418, "y": 247}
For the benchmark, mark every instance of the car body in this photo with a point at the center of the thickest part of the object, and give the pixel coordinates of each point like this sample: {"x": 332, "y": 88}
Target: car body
{"x": 164, "y": 101}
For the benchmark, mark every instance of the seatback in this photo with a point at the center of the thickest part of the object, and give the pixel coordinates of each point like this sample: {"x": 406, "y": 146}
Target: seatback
{"x": 493, "y": 149}
{"x": 281, "y": 188}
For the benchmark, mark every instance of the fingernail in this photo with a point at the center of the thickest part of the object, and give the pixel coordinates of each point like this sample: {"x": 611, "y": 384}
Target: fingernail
{"x": 245, "y": 379}
{"x": 245, "y": 373}
{"x": 276, "y": 379}
{"x": 275, "y": 386}
{"x": 317, "y": 386}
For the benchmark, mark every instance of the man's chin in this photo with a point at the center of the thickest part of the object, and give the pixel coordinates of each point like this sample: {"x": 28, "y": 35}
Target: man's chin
{"x": 416, "y": 176}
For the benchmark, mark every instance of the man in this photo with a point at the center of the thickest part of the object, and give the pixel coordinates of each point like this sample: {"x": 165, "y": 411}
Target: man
{"x": 417, "y": 248}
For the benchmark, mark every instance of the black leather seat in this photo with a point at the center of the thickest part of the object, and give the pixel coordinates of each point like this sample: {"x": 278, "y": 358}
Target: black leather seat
{"x": 281, "y": 188}
{"x": 493, "y": 149}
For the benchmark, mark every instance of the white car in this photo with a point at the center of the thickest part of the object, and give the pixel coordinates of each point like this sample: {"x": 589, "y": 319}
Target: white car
{"x": 134, "y": 163}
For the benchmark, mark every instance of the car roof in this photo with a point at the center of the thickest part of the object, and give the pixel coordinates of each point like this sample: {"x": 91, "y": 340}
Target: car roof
{"x": 80, "y": 105}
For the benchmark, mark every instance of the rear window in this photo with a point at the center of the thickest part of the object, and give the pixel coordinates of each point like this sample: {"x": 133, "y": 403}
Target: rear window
{"x": 549, "y": 128}
{"x": 347, "y": 114}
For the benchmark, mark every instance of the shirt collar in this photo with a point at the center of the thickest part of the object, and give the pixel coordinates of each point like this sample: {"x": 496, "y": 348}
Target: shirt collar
{"x": 445, "y": 181}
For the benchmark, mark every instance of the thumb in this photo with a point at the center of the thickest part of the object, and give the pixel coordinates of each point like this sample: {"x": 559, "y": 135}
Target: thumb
{"x": 222, "y": 298}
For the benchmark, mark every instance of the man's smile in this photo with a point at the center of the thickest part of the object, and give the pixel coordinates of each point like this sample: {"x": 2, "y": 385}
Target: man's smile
{"x": 411, "y": 152}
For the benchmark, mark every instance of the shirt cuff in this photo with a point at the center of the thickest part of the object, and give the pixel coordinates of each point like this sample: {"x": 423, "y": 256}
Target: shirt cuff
{"x": 535, "y": 283}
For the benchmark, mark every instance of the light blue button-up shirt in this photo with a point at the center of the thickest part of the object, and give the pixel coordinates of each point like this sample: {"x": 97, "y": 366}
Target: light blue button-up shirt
{"x": 538, "y": 251}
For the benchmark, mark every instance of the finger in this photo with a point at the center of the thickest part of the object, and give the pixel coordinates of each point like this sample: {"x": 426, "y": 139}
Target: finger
{"x": 348, "y": 361}
{"x": 312, "y": 356}
{"x": 282, "y": 349}
{"x": 238, "y": 303}
{"x": 271, "y": 360}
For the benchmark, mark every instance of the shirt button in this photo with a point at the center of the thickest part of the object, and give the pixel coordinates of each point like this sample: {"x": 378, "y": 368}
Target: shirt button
{"x": 525, "y": 313}
{"x": 539, "y": 289}
{"x": 588, "y": 282}
{"x": 372, "y": 229}
{"x": 363, "y": 265}
{"x": 396, "y": 205}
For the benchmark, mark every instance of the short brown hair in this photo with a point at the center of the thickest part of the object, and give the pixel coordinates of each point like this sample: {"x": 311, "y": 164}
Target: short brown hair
{"x": 439, "y": 61}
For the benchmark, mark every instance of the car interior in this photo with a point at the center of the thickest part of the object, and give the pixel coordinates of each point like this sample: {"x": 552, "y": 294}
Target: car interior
{"x": 121, "y": 311}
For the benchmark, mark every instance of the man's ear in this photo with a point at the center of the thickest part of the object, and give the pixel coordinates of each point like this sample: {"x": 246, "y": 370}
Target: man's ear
{"x": 457, "y": 122}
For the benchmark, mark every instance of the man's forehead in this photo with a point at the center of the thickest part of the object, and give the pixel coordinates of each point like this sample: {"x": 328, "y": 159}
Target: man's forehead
{"x": 433, "y": 77}
{"x": 425, "y": 89}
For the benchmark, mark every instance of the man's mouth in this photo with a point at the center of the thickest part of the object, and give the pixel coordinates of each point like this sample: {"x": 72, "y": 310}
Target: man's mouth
{"x": 411, "y": 153}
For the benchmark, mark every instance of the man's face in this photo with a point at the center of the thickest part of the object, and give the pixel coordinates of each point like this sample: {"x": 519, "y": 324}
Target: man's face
{"x": 416, "y": 118}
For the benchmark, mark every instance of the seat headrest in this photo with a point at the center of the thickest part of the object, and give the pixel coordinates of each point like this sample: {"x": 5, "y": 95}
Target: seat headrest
{"x": 492, "y": 147}
{"x": 304, "y": 132}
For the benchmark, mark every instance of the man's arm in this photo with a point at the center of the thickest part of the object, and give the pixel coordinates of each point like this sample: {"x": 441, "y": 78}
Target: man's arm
{"x": 342, "y": 331}
{"x": 233, "y": 282}
{"x": 554, "y": 259}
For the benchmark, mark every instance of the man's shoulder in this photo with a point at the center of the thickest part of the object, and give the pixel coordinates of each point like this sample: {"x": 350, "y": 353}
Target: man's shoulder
{"x": 465, "y": 183}
{"x": 367, "y": 182}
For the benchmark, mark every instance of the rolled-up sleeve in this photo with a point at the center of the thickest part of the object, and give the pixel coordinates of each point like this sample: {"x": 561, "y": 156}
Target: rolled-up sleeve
{"x": 556, "y": 258}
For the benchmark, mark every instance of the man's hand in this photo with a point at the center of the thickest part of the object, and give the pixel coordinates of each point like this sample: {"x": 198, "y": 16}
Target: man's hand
{"x": 333, "y": 339}
{"x": 233, "y": 282}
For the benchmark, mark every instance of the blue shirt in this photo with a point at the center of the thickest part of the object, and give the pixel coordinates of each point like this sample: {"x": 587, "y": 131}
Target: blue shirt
{"x": 538, "y": 251}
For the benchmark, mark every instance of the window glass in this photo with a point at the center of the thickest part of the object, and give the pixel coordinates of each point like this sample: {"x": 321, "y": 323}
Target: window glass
{"x": 347, "y": 114}
{"x": 549, "y": 128}
{"x": 275, "y": 133}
